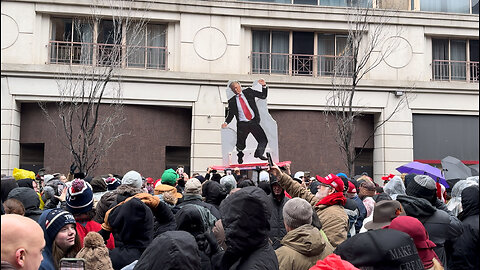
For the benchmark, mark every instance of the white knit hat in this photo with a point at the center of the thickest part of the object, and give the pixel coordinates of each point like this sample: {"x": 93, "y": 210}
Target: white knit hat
{"x": 132, "y": 178}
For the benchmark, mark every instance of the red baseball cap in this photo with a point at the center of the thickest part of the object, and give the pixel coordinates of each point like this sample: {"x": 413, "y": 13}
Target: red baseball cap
{"x": 332, "y": 180}
{"x": 351, "y": 188}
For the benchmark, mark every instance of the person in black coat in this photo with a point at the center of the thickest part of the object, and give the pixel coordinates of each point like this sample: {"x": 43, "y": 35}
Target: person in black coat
{"x": 213, "y": 192}
{"x": 29, "y": 198}
{"x": 248, "y": 117}
{"x": 278, "y": 199}
{"x": 466, "y": 248}
{"x": 245, "y": 217}
{"x": 193, "y": 195}
{"x": 171, "y": 250}
{"x": 190, "y": 219}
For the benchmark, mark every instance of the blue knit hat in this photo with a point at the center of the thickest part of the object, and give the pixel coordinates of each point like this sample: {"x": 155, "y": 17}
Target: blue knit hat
{"x": 56, "y": 219}
{"x": 79, "y": 197}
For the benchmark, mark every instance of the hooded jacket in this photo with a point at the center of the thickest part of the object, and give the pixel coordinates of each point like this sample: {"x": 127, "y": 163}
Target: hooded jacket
{"x": 109, "y": 200}
{"x": 29, "y": 199}
{"x": 333, "y": 217}
{"x": 171, "y": 250}
{"x": 440, "y": 226}
{"x": 132, "y": 228}
{"x": 213, "y": 192}
{"x": 245, "y": 217}
{"x": 466, "y": 247}
{"x": 197, "y": 199}
{"x": 8, "y": 184}
{"x": 277, "y": 227}
{"x": 302, "y": 248}
{"x": 190, "y": 219}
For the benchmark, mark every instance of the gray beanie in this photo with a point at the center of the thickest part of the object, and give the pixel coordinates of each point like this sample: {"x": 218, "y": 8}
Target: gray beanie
{"x": 422, "y": 186}
{"x": 297, "y": 212}
{"x": 132, "y": 178}
{"x": 229, "y": 182}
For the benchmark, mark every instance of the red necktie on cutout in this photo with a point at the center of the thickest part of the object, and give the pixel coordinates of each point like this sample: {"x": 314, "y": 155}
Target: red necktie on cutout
{"x": 245, "y": 109}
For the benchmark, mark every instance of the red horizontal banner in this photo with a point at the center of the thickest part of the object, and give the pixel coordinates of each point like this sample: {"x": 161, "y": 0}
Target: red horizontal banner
{"x": 250, "y": 166}
{"x": 437, "y": 161}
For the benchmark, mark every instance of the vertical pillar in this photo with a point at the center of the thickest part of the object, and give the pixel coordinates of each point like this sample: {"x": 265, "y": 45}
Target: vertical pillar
{"x": 10, "y": 130}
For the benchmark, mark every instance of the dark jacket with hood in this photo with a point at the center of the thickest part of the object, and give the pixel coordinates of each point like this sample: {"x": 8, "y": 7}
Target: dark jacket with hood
{"x": 110, "y": 199}
{"x": 277, "y": 227}
{"x": 245, "y": 217}
{"x": 171, "y": 250}
{"x": 8, "y": 184}
{"x": 441, "y": 226}
{"x": 214, "y": 193}
{"x": 466, "y": 249}
{"x": 29, "y": 198}
{"x": 190, "y": 219}
{"x": 197, "y": 199}
{"x": 47, "y": 262}
{"x": 132, "y": 228}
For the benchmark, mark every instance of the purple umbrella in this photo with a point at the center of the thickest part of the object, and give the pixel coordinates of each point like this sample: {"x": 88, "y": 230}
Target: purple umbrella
{"x": 421, "y": 168}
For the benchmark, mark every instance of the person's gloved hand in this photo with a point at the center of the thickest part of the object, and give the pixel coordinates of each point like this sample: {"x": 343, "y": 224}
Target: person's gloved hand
{"x": 72, "y": 168}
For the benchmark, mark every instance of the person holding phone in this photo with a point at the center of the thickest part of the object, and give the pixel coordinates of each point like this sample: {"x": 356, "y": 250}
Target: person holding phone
{"x": 61, "y": 238}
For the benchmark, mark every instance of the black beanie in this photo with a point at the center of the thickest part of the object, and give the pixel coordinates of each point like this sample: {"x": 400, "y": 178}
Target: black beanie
{"x": 422, "y": 186}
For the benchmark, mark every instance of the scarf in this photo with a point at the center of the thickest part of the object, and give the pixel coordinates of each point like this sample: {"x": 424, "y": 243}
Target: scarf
{"x": 334, "y": 198}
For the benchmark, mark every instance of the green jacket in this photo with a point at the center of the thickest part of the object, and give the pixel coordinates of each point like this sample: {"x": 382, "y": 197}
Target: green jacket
{"x": 302, "y": 248}
{"x": 333, "y": 217}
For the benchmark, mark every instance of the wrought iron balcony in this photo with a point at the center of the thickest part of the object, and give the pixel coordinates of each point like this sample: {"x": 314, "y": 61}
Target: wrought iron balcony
{"x": 301, "y": 64}
{"x": 446, "y": 70}
{"x": 97, "y": 54}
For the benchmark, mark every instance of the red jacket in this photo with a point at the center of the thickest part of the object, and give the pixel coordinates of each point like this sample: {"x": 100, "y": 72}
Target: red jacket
{"x": 93, "y": 226}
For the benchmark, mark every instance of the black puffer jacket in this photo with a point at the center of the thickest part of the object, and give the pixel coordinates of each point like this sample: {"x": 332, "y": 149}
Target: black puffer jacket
{"x": 214, "y": 193}
{"x": 171, "y": 250}
{"x": 245, "y": 217}
{"x": 132, "y": 228}
{"x": 466, "y": 250}
{"x": 277, "y": 227}
{"x": 29, "y": 198}
{"x": 441, "y": 226}
{"x": 190, "y": 219}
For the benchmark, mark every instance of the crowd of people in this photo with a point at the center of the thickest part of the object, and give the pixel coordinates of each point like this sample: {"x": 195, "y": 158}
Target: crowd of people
{"x": 272, "y": 220}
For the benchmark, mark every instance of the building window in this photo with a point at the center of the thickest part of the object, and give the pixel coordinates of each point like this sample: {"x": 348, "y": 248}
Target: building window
{"x": 73, "y": 42}
{"x": 455, "y": 60}
{"x": 270, "y": 52}
{"x": 334, "y": 57}
{"x": 273, "y": 54}
{"x": 454, "y": 6}
{"x": 31, "y": 156}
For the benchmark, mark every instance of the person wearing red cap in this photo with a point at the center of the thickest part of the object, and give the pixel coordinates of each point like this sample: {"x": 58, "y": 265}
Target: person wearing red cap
{"x": 417, "y": 232}
{"x": 328, "y": 202}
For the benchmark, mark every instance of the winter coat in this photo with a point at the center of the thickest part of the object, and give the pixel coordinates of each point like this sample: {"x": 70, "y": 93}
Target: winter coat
{"x": 245, "y": 217}
{"x": 47, "y": 262}
{"x": 190, "y": 219}
{"x": 29, "y": 198}
{"x": 132, "y": 228}
{"x": 441, "y": 226}
{"x": 197, "y": 199}
{"x": 465, "y": 253}
{"x": 302, "y": 248}
{"x": 333, "y": 217}
{"x": 361, "y": 215}
{"x": 171, "y": 250}
{"x": 213, "y": 192}
{"x": 7, "y": 185}
{"x": 277, "y": 227}
{"x": 91, "y": 226}
{"x": 109, "y": 200}
{"x": 352, "y": 212}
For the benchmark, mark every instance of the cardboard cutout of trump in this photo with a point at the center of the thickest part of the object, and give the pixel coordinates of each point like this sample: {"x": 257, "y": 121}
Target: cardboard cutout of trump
{"x": 249, "y": 131}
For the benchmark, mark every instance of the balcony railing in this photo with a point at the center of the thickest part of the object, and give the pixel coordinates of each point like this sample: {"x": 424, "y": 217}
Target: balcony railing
{"x": 301, "y": 64}
{"x": 445, "y": 70}
{"x": 97, "y": 54}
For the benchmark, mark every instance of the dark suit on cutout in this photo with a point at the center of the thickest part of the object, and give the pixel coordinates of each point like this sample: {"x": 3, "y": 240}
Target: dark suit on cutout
{"x": 246, "y": 127}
